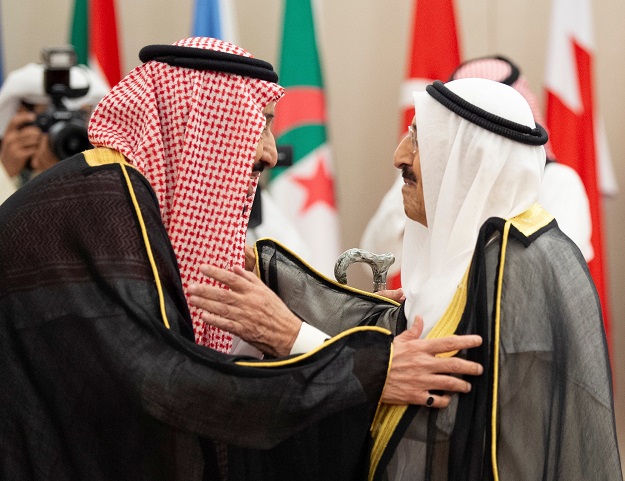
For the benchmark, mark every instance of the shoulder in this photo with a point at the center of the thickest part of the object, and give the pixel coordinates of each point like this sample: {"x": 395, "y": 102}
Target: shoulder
{"x": 546, "y": 260}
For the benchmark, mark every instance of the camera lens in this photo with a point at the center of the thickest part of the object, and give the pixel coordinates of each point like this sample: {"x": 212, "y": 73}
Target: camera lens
{"x": 69, "y": 138}
{"x": 44, "y": 121}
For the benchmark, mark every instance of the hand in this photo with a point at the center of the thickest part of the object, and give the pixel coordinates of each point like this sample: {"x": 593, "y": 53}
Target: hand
{"x": 20, "y": 142}
{"x": 250, "y": 258}
{"x": 43, "y": 158}
{"x": 396, "y": 295}
{"x": 248, "y": 309}
{"x": 416, "y": 370}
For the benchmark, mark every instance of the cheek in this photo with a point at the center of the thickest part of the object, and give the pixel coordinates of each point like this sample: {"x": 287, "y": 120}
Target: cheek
{"x": 259, "y": 150}
{"x": 273, "y": 151}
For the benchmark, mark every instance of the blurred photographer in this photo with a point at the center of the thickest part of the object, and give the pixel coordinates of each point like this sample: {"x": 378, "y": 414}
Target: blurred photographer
{"x": 44, "y": 110}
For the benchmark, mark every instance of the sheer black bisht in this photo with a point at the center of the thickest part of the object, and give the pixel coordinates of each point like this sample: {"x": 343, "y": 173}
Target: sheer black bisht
{"x": 554, "y": 411}
{"x": 337, "y": 448}
{"x": 554, "y": 416}
{"x": 96, "y": 387}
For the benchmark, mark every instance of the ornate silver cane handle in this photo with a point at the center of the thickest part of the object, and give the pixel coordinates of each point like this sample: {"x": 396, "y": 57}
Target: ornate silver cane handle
{"x": 379, "y": 263}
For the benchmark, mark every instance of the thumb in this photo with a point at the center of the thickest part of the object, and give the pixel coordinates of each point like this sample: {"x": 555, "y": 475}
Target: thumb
{"x": 415, "y": 331}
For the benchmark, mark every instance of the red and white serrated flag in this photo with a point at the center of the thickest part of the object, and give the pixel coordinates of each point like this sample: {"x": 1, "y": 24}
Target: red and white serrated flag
{"x": 433, "y": 51}
{"x": 433, "y": 54}
{"x": 575, "y": 130}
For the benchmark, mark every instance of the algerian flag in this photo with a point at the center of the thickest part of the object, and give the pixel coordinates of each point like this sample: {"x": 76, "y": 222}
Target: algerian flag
{"x": 94, "y": 37}
{"x": 305, "y": 191}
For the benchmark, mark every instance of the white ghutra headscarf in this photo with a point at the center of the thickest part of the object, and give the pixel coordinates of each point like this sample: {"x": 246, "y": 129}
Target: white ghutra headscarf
{"x": 469, "y": 174}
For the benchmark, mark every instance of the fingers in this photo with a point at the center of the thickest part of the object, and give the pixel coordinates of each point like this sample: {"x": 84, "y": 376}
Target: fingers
{"x": 250, "y": 258}
{"x": 442, "y": 345}
{"x": 459, "y": 366}
{"x": 20, "y": 142}
{"x": 448, "y": 384}
{"x": 415, "y": 331}
{"x": 19, "y": 121}
{"x": 247, "y": 275}
{"x": 438, "y": 401}
{"x": 396, "y": 295}
{"x": 21, "y": 135}
{"x": 418, "y": 369}
{"x": 220, "y": 322}
{"x": 238, "y": 279}
{"x": 418, "y": 390}
{"x": 452, "y": 343}
{"x": 211, "y": 298}
{"x": 220, "y": 275}
{"x": 218, "y": 305}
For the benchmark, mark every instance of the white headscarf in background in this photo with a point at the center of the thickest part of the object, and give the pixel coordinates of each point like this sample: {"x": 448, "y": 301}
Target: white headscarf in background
{"x": 193, "y": 135}
{"x": 503, "y": 70}
{"x": 563, "y": 193}
{"x": 469, "y": 174}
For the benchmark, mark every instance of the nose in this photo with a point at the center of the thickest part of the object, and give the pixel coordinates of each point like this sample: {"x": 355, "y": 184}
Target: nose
{"x": 403, "y": 153}
{"x": 270, "y": 152}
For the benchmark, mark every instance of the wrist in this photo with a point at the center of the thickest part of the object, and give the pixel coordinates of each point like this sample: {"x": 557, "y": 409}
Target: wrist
{"x": 307, "y": 339}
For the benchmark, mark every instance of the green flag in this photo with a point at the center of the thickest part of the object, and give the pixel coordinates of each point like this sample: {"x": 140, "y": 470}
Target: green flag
{"x": 305, "y": 191}
{"x": 79, "y": 35}
{"x": 94, "y": 37}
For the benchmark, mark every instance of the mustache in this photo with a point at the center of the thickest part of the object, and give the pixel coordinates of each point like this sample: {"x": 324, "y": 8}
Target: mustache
{"x": 408, "y": 174}
{"x": 258, "y": 167}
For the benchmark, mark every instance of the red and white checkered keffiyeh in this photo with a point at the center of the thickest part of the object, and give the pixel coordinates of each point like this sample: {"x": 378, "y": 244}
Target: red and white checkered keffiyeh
{"x": 193, "y": 135}
{"x": 496, "y": 69}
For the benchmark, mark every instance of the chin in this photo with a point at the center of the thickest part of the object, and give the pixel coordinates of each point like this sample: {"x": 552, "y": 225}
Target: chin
{"x": 416, "y": 217}
{"x": 410, "y": 214}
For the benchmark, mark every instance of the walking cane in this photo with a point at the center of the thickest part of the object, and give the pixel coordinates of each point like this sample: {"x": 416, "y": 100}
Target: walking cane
{"x": 379, "y": 264}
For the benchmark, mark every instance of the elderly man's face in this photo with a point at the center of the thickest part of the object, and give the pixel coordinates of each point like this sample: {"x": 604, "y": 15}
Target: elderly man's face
{"x": 408, "y": 161}
{"x": 266, "y": 151}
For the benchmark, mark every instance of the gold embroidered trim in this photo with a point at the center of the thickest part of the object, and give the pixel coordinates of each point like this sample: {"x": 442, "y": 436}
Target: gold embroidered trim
{"x": 388, "y": 416}
{"x": 103, "y": 156}
{"x": 532, "y": 220}
{"x": 300, "y": 357}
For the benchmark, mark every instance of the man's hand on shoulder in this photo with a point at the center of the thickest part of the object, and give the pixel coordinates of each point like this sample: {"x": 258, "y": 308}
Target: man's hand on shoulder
{"x": 248, "y": 308}
{"x": 417, "y": 371}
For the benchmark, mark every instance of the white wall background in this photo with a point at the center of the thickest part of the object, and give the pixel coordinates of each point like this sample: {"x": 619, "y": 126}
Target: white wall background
{"x": 363, "y": 50}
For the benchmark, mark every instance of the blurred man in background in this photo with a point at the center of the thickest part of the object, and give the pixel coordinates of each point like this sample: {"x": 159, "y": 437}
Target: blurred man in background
{"x": 25, "y": 149}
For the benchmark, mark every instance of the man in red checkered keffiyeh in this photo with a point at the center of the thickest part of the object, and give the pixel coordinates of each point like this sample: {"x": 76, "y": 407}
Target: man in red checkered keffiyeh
{"x": 193, "y": 134}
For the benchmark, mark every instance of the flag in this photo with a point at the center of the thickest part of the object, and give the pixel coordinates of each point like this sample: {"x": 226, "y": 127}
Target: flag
{"x": 216, "y": 19}
{"x": 94, "y": 37}
{"x": 305, "y": 190}
{"x": 573, "y": 123}
{"x": 433, "y": 54}
{"x": 433, "y": 51}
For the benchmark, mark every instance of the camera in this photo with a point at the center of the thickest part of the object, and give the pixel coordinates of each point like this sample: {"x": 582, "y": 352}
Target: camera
{"x": 67, "y": 129}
